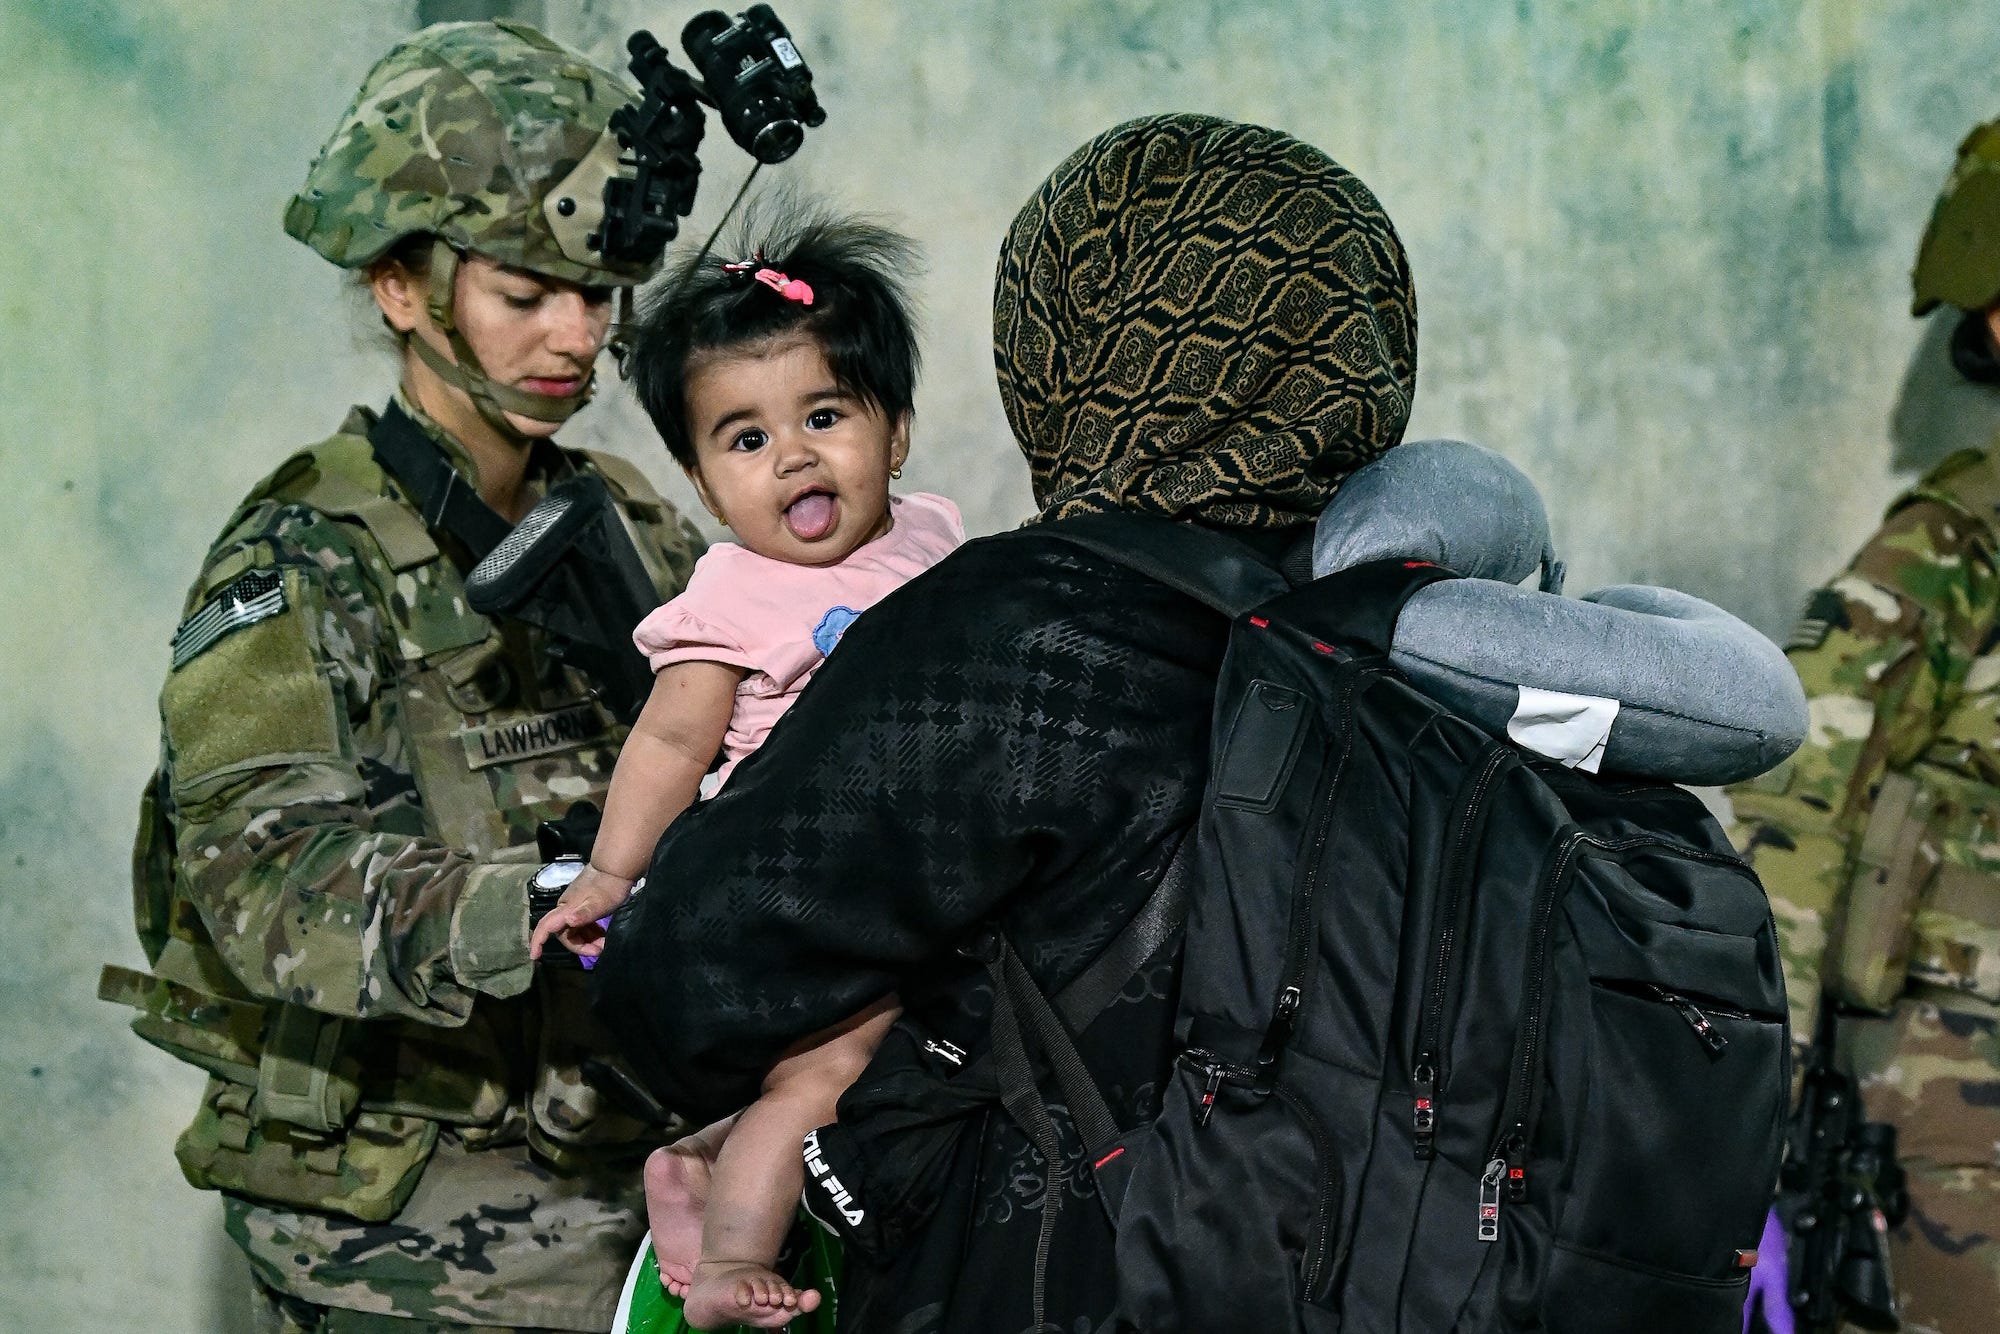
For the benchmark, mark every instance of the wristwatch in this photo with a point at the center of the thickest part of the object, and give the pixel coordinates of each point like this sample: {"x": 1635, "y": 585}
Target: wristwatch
{"x": 545, "y": 890}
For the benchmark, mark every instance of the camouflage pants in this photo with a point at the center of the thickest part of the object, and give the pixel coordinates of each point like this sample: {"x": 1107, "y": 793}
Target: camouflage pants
{"x": 1946, "y": 1255}
{"x": 275, "y": 1312}
{"x": 1931, "y": 1068}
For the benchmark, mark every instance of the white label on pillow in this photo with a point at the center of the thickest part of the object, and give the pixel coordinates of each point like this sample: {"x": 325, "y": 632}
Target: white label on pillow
{"x": 1569, "y": 729}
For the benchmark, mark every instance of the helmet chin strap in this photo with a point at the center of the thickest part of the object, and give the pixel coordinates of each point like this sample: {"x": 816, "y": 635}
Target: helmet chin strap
{"x": 492, "y": 399}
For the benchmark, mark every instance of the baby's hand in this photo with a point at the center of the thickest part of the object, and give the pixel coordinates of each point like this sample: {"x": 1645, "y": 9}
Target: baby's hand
{"x": 594, "y": 894}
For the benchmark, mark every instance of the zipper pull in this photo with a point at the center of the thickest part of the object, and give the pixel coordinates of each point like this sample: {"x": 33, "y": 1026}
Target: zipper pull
{"x": 1284, "y": 1017}
{"x": 1423, "y": 1120}
{"x": 1711, "y": 1036}
{"x": 1209, "y": 1088}
{"x": 1515, "y": 1160}
{"x": 1489, "y": 1200}
{"x": 1287, "y": 1009}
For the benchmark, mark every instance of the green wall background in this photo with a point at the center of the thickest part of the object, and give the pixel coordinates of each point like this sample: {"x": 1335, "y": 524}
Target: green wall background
{"x": 1661, "y": 252}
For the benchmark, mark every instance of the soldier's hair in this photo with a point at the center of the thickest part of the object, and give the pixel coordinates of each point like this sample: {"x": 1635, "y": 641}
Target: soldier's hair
{"x": 373, "y": 332}
{"x": 860, "y": 313}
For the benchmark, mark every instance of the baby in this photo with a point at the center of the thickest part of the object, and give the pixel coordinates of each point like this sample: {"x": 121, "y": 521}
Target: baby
{"x": 782, "y": 384}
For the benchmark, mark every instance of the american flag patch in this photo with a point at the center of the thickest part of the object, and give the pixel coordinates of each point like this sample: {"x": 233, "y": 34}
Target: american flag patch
{"x": 246, "y": 600}
{"x": 1824, "y": 613}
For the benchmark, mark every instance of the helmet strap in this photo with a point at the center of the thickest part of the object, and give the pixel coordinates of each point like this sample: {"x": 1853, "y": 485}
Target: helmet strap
{"x": 492, "y": 400}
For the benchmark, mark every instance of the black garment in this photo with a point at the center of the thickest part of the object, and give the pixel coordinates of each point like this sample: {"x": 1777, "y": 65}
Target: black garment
{"x": 1018, "y": 736}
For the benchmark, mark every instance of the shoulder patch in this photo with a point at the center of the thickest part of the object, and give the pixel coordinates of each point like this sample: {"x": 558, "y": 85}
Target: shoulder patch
{"x": 1825, "y": 612}
{"x": 246, "y": 600}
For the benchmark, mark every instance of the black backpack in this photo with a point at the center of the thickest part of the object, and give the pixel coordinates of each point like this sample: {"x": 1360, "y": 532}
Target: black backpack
{"x": 1470, "y": 1041}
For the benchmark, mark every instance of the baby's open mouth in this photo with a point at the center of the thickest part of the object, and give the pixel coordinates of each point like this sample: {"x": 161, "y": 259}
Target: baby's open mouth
{"x": 811, "y": 516}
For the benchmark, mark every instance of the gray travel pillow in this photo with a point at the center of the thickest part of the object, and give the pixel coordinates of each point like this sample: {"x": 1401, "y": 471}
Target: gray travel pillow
{"x": 1701, "y": 698}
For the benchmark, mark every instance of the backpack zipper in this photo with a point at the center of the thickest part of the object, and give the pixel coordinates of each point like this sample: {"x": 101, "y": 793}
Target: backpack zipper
{"x": 1510, "y": 1148}
{"x": 1325, "y": 1161}
{"x": 1299, "y": 929}
{"x": 1427, "y": 1070}
{"x": 1215, "y": 1073}
{"x": 1695, "y": 1011}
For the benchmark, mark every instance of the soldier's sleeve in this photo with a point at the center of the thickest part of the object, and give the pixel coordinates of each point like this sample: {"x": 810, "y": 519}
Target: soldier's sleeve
{"x": 1882, "y": 651}
{"x": 280, "y": 826}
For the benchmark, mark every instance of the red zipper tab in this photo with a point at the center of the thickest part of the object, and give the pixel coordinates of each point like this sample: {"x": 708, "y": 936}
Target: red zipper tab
{"x": 1206, "y": 1108}
{"x": 1489, "y": 1200}
{"x": 1423, "y": 1120}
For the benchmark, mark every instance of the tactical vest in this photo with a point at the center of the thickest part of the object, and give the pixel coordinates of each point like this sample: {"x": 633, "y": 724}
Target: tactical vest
{"x": 310, "y": 1110}
{"x": 1923, "y": 902}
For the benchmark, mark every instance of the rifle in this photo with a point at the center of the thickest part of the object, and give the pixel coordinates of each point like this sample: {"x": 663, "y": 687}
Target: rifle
{"x": 1839, "y": 1192}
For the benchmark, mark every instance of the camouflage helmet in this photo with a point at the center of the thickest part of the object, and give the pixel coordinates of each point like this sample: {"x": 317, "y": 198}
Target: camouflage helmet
{"x": 490, "y": 137}
{"x": 1959, "y": 260}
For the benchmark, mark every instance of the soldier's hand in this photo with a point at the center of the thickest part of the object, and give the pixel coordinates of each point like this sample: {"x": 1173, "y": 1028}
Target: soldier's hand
{"x": 577, "y": 918}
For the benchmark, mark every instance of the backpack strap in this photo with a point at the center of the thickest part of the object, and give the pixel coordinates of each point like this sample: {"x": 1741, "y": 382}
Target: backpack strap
{"x": 1023, "y": 1014}
{"x": 1148, "y": 931}
{"x": 1207, "y": 566}
{"x": 1357, "y": 607}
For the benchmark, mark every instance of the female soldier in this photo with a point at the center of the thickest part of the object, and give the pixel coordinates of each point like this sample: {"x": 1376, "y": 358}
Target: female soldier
{"x": 1195, "y": 319}
{"x": 1879, "y": 841}
{"x": 334, "y": 863}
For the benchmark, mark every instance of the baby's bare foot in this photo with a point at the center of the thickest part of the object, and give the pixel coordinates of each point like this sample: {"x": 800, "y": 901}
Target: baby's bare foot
{"x": 676, "y": 1199}
{"x": 742, "y": 1292}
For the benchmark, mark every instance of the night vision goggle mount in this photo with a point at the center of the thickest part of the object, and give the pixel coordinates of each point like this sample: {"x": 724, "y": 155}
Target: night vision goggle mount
{"x": 750, "y": 72}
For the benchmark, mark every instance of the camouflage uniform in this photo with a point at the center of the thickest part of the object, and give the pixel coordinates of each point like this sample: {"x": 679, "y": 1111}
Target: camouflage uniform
{"x": 1879, "y": 841}
{"x": 331, "y": 868}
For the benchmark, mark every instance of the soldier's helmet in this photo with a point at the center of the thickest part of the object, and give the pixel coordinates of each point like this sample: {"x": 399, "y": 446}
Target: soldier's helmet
{"x": 1959, "y": 261}
{"x": 489, "y": 136}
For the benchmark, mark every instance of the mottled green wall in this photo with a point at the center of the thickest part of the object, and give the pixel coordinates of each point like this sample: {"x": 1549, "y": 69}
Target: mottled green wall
{"x": 1661, "y": 251}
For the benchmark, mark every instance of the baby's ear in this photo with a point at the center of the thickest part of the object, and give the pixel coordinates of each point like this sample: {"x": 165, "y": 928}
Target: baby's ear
{"x": 899, "y": 437}
{"x": 701, "y": 490}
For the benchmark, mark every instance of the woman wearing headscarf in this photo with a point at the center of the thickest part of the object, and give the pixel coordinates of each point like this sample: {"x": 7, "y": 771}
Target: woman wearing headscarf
{"x": 1195, "y": 319}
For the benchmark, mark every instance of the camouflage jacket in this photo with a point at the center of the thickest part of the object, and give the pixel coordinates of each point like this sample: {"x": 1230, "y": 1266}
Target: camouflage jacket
{"x": 330, "y": 882}
{"x": 1879, "y": 841}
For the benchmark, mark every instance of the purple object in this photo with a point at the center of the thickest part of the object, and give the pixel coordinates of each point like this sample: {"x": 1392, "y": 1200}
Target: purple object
{"x": 589, "y": 961}
{"x": 1770, "y": 1282}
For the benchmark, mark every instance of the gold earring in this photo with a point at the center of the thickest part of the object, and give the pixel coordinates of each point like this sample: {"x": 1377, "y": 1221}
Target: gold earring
{"x": 896, "y": 473}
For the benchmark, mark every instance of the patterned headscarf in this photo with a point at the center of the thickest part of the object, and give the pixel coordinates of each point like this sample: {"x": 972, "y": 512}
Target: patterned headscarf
{"x": 1202, "y": 319}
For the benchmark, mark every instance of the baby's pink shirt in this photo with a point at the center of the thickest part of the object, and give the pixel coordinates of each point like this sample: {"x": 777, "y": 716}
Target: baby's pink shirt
{"x": 778, "y": 621}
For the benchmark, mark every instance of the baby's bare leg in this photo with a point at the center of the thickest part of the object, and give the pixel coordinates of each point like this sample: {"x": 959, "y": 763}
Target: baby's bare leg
{"x": 753, "y": 1193}
{"x": 677, "y": 1178}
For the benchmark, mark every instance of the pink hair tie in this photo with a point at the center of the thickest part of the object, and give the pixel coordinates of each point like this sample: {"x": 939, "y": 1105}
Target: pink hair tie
{"x": 792, "y": 289}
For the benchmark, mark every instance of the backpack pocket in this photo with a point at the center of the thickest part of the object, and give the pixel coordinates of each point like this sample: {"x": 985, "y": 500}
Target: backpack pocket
{"x": 1228, "y": 1219}
{"x": 1650, "y": 1133}
{"x": 1658, "y": 1149}
{"x": 1677, "y": 1134}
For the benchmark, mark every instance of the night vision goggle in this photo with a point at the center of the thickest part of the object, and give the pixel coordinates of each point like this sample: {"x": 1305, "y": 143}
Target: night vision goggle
{"x": 624, "y": 201}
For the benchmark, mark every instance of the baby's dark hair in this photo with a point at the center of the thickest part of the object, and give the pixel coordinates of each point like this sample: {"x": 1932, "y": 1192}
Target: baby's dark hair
{"x": 860, "y": 312}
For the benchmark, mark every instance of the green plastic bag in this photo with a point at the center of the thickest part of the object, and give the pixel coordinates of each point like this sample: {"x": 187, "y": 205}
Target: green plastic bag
{"x": 645, "y": 1307}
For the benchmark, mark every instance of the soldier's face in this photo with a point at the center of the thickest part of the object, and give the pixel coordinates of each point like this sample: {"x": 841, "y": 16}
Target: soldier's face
{"x": 795, "y": 465}
{"x": 534, "y": 333}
